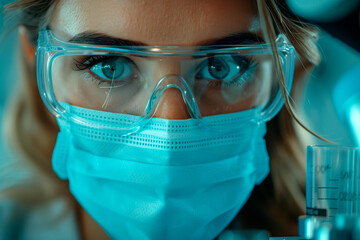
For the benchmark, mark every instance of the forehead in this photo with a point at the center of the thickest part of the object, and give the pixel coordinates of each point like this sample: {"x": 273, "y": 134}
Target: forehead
{"x": 156, "y": 22}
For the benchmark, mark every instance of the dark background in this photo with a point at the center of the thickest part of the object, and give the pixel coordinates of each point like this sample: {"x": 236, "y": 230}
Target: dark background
{"x": 346, "y": 29}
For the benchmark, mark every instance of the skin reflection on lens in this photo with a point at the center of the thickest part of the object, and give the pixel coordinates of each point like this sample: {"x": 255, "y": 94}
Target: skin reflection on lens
{"x": 252, "y": 89}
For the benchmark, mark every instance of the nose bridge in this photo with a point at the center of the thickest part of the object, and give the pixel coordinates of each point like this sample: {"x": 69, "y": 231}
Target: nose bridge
{"x": 172, "y": 98}
{"x": 171, "y": 105}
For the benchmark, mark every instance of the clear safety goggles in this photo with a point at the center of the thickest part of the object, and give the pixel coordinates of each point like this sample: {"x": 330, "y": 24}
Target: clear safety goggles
{"x": 211, "y": 80}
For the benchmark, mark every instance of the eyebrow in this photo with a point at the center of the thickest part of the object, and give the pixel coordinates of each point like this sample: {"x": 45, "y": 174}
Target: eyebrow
{"x": 96, "y": 38}
{"x": 102, "y": 39}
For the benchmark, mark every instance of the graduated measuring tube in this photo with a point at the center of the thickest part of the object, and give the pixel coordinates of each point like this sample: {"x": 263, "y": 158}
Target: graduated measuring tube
{"x": 332, "y": 181}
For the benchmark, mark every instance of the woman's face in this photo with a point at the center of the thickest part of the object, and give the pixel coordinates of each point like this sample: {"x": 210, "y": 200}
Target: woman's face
{"x": 157, "y": 23}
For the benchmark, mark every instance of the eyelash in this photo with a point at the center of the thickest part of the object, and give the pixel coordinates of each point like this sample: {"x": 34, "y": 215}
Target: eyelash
{"x": 88, "y": 62}
{"x": 240, "y": 79}
{"x": 85, "y": 64}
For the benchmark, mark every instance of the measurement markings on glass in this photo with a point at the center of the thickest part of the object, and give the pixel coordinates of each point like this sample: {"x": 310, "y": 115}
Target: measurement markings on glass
{"x": 332, "y": 181}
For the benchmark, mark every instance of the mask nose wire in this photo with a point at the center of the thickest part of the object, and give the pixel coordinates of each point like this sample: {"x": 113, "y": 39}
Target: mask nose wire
{"x": 172, "y": 81}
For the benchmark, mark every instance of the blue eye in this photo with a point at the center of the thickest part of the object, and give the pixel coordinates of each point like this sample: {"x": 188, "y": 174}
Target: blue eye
{"x": 224, "y": 67}
{"x": 115, "y": 68}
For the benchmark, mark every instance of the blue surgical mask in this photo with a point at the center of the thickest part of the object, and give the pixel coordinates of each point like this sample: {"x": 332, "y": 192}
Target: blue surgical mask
{"x": 173, "y": 179}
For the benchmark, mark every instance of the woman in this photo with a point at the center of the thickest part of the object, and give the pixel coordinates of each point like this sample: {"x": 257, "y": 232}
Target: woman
{"x": 162, "y": 142}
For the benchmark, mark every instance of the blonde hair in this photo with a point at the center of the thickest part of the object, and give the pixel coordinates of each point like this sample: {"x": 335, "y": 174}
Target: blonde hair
{"x": 276, "y": 203}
